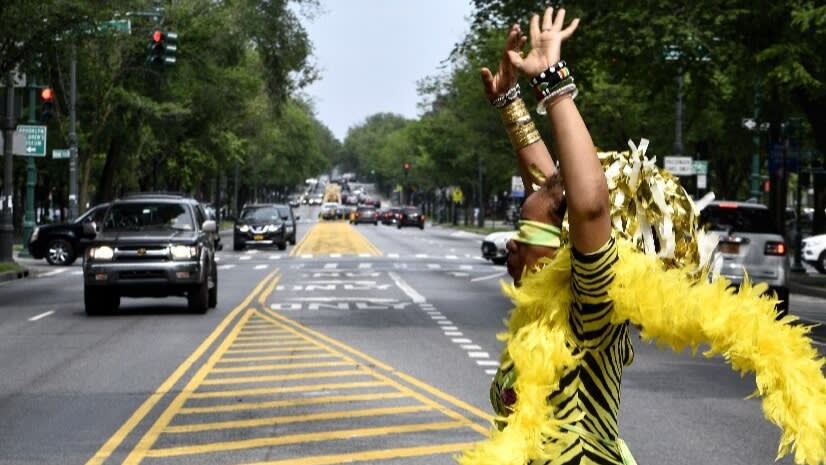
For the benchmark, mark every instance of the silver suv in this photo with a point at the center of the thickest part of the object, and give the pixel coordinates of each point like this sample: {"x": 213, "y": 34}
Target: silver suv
{"x": 750, "y": 243}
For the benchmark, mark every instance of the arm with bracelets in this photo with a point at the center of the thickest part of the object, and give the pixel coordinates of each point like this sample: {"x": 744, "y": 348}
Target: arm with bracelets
{"x": 503, "y": 92}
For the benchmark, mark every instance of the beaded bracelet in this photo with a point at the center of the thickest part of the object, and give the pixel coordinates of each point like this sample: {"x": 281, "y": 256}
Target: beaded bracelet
{"x": 502, "y": 100}
{"x": 542, "y": 106}
{"x": 546, "y": 81}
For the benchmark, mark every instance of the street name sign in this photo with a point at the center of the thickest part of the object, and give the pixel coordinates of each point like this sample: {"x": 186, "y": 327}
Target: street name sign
{"x": 679, "y": 166}
{"x": 700, "y": 167}
{"x": 517, "y": 187}
{"x": 35, "y": 140}
{"x": 58, "y": 154}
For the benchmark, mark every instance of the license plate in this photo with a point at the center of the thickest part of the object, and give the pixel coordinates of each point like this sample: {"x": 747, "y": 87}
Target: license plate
{"x": 258, "y": 237}
{"x": 729, "y": 247}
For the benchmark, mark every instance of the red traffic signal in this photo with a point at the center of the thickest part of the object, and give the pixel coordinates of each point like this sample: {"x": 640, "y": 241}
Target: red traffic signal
{"x": 157, "y": 36}
{"x": 406, "y": 166}
{"x": 47, "y": 94}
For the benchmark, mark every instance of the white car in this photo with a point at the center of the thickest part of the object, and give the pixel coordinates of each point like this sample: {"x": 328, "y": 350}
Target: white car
{"x": 814, "y": 251}
{"x": 494, "y": 246}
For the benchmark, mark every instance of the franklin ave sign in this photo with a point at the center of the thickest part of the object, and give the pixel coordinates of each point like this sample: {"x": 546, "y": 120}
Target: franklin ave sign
{"x": 34, "y": 141}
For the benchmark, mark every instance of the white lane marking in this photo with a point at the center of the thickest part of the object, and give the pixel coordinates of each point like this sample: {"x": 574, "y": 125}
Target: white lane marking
{"x": 307, "y": 255}
{"x": 414, "y": 296}
{"x": 252, "y": 252}
{"x": 450, "y": 328}
{"x": 77, "y": 273}
{"x": 377, "y": 300}
{"x": 421, "y": 255}
{"x": 365, "y": 255}
{"x": 459, "y": 274}
{"x": 438, "y": 317}
{"x": 330, "y": 266}
{"x": 451, "y": 257}
{"x": 470, "y": 347}
{"x": 484, "y": 278}
{"x": 465, "y": 267}
{"x": 260, "y": 267}
{"x": 275, "y": 257}
{"x": 444, "y": 322}
{"x": 453, "y": 333}
{"x": 461, "y": 340}
{"x": 487, "y": 363}
{"x": 225, "y": 267}
{"x": 490, "y": 372}
{"x": 434, "y": 266}
{"x": 478, "y": 355}
{"x": 335, "y": 255}
{"x": 42, "y": 315}
{"x": 52, "y": 273}
{"x": 365, "y": 266}
{"x": 393, "y": 255}
{"x": 246, "y": 257}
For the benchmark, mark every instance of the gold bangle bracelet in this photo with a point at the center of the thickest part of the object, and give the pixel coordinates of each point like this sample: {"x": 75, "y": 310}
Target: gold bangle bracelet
{"x": 515, "y": 113}
{"x": 522, "y": 135}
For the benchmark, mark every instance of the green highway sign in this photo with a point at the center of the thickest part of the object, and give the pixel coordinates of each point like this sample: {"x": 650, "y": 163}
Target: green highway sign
{"x": 34, "y": 139}
{"x": 57, "y": 154}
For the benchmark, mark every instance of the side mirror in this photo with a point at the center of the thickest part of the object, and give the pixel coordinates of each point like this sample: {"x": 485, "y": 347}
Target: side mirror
{"x": 90, "y": 230}
{"x": 210, "y": 226}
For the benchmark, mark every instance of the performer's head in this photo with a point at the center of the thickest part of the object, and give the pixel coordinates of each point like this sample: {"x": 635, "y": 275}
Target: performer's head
{"x": 539, "y": 227}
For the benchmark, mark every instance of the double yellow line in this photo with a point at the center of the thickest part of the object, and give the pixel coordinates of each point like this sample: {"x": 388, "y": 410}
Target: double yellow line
{"x": 165, "y": 388}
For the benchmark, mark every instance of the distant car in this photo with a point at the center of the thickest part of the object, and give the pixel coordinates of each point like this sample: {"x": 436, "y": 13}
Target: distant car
{"x": 750, "y": 243}
{"x": 411, "y": 216}
{"x": 391, "y": 215}
{"x": 365, "y": 214}
{"x": 814, "y": 251}
{"x": 494, "y": 246}
{"x": 315, "y": 199}
{"x": 61, "y": 243}
{"x": 329, "y": 211}
{"x": 294, "y": 200}
{"x": 259, "y": 225}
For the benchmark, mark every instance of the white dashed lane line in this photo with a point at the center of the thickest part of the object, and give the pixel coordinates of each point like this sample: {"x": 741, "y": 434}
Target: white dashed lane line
{"x": 42, "y": 315}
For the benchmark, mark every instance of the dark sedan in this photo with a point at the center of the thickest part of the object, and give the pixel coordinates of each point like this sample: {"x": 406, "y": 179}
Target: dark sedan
{"x": 60, "y": 244}
{"x": 260, "y": 224}
{"x": 366, "y": 215}
{"x": 411, "y": 216}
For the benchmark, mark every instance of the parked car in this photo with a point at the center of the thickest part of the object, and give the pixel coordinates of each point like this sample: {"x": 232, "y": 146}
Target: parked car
{"x": 61, "y": 243}
{"x": 411, "y": 216}
{"x": 750, "y": 243}
{"x": 294, "y": 200}
{"x": 259, "y": 225}
{"x": 365, "y": 214}
{"x": 151, "y": 245}
{"x": 329, "y": 211}
{"x": 494, "y": 246}
{"x": 814, "y": 251}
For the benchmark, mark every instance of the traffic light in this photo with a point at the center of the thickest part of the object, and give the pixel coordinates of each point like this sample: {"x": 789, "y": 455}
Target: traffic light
{"x": 46, "y": 104}
{"x": 406, "y": 166}
{"x": 162, "y": 48}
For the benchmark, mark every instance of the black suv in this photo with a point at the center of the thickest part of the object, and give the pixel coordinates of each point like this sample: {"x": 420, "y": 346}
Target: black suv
{"x": 61, "y": 243}
{"x": 151, "y": 245}
{"x": 261, "y": 224}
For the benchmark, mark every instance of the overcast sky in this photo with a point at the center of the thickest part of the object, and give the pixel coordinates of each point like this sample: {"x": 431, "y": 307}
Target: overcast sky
{"x": 370, "y": 54}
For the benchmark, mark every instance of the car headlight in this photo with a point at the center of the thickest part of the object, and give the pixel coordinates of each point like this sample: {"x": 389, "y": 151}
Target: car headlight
{"x": 183, "y": 252}
{"x": 34, "y": 234}
{"x": 272, "y": 228}
{"x": 243, "y": 228}
{"x": 102, "y": 253}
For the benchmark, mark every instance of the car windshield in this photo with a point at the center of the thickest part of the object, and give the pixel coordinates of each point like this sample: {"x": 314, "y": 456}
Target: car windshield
{"x": 744, "y": 220}
{"x": 148, "y": 216}
{"x": 284, "y": 212}
{"x": 260, "y": 214}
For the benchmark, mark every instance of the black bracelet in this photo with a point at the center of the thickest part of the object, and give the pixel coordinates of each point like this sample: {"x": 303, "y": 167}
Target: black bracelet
{"x": 547, "y": 81}
{"x": 502, "y": 100}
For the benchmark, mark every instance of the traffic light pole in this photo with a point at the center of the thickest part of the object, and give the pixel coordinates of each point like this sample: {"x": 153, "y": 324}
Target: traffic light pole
{"x": 755, "y": 158}
{"x": 7, "y": 224}
{"x": 73, "y": 187}
{"x": 31, "y": 174}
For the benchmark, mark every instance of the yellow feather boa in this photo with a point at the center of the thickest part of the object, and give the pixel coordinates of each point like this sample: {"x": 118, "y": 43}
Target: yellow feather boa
{"x": 675, "y": 311}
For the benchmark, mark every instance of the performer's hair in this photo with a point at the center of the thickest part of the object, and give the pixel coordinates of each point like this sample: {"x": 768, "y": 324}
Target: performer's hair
{"x": 553, "y": 190}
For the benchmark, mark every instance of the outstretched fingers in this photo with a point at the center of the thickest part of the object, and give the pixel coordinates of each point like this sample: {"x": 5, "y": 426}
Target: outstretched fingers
{"x": 568, "y": 31}
{"x": 548, "y": 19}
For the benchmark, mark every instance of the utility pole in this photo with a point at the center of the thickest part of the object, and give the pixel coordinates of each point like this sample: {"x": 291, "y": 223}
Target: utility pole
{"x": 31, "y": 172}
{"x": 7, "y": 224}
{"x": 755, "y": 158}
{"x": 73, "y": 155}
{"x": 678, "y": 115}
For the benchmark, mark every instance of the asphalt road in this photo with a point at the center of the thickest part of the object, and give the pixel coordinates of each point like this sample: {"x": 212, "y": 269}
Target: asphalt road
{"x": 319, "y": 355}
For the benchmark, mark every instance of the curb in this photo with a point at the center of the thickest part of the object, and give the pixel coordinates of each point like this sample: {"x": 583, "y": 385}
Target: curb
{"x": 12, "y": 275}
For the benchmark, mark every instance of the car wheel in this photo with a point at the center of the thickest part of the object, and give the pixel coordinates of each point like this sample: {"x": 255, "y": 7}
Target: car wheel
{"x": 60, "y": 252}
{"x": 282, "y": 245}
{"x": 820, "y": 264}
{"x": 399, "y": 226}
{"x": 292, "y": 240}
{"x": 499, "y": 260}
{"x": 212, "y": 298}
{"x": 197, "y": 298}
{"x": 421, "y": 226}
{"x": 237, "y": 246}
{"x": 99, "y": 301}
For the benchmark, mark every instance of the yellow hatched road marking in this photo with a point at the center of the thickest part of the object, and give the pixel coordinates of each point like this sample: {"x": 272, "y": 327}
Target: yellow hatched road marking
{"x": 282, "y": 389}
{"x": 265, "y": 358}
{"x": 269, "y": 344}
{"x": 302, "y": 438}
{"x": 117, "y": 438}
{"x": 363, "y": 456}
{"x": 303, "y": 348}
{"x": 257, "y": 338}
{"x": 283, "y": 366}
{"x": 330, "y": 238}
{"x": 261, "y": 379}
{"x": 305, "y": 417}
{"x": 240, "y": 407}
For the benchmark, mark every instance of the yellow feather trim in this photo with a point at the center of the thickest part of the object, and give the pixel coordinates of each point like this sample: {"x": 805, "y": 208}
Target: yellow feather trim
{"x": 675, "y": 311}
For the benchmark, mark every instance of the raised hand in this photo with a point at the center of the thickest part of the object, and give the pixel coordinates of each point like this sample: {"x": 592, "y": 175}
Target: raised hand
{"x": 546, "y": 43}
{"x": 506, "y": 75}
